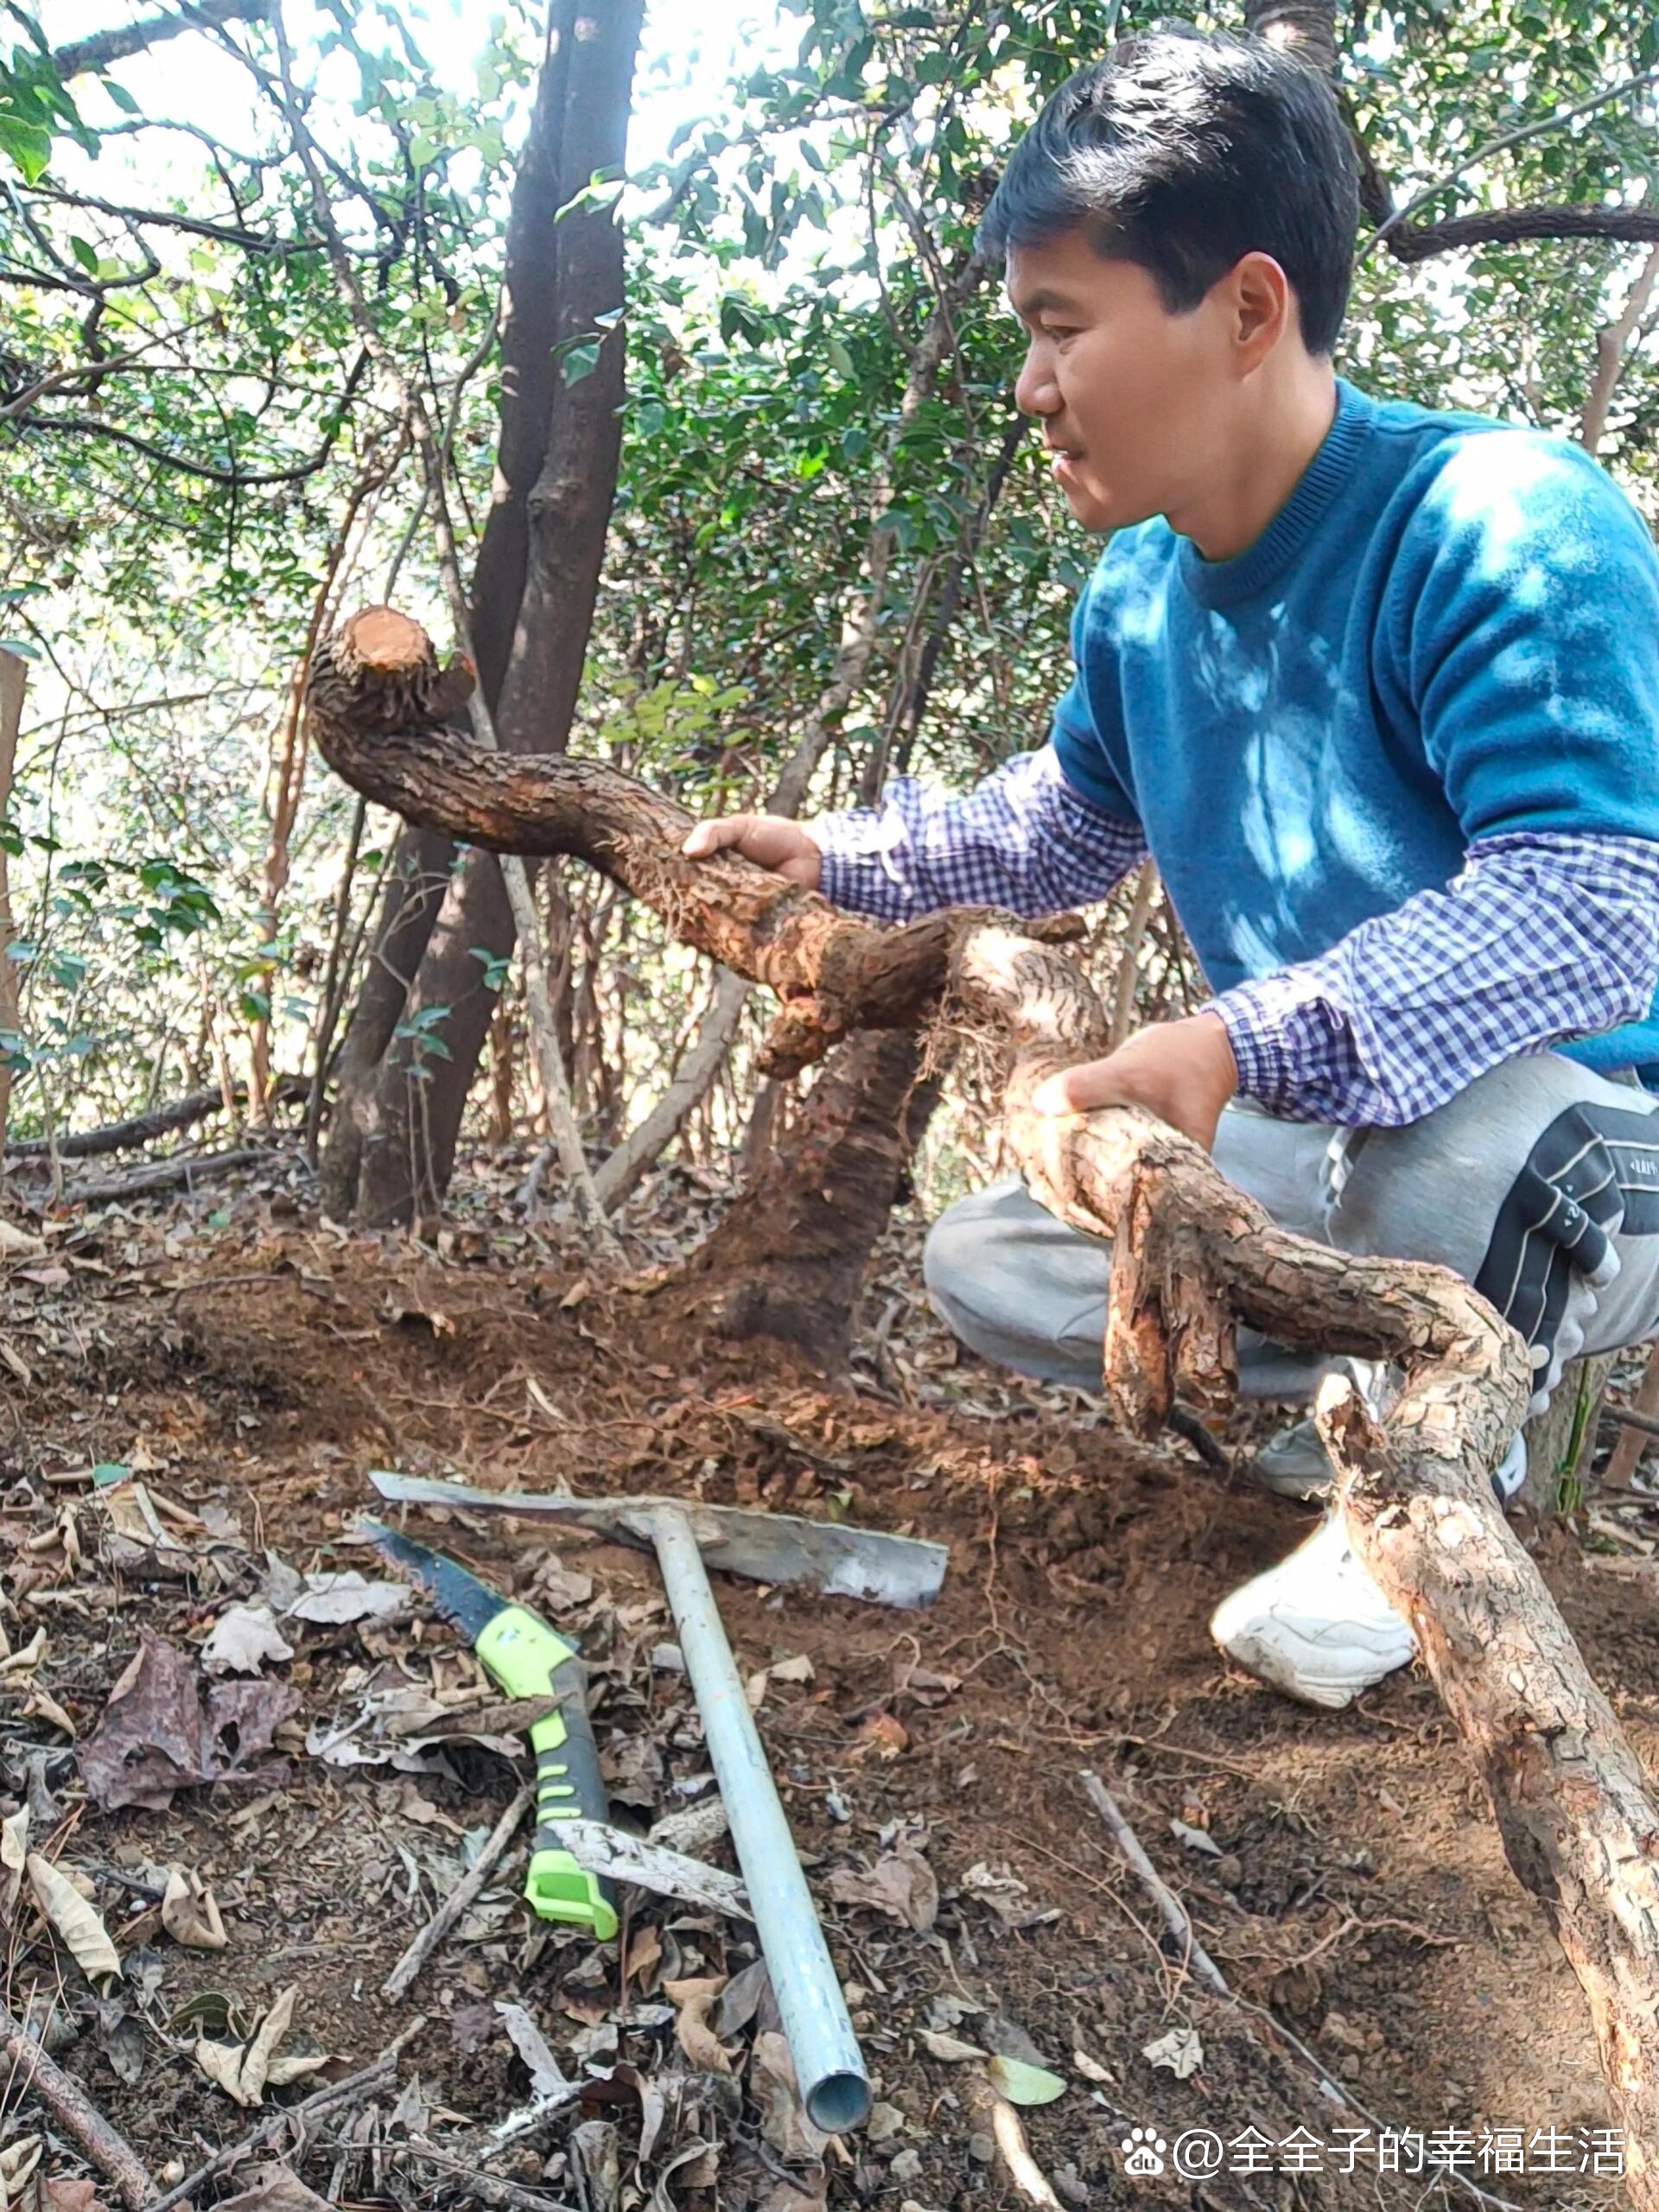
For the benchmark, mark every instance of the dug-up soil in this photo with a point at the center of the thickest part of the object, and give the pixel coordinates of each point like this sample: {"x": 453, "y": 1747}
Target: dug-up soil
{"x": 247, "y": 1367}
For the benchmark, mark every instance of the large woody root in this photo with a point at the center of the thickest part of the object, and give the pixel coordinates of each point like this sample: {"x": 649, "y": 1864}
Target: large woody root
{"x": 1192, "y": 1257}
{"x": 378, "y": 699}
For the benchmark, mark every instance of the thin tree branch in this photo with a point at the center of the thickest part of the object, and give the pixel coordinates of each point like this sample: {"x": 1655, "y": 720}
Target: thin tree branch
{"x": 1473, "y": 230}
{"x": 197, "y": 226}
{"x": 207, "y": 471}
{"x": 99, "y": 51}
{"x": 1611, "y": 343}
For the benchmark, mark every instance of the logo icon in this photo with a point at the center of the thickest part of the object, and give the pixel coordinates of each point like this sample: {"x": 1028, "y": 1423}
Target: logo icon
{"x": 1143, "y": 2150}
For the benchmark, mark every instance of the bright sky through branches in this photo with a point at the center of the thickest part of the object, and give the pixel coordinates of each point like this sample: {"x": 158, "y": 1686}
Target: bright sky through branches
{"x": 686, "y": 59}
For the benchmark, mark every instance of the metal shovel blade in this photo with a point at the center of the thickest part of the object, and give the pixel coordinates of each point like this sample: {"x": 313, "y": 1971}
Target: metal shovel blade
{"x": 778, "y": 1547}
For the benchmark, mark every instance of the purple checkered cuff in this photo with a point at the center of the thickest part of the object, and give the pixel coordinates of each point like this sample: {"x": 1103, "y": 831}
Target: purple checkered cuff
{"x": 1543, "y": 938}
{"x": 1023, "y": 839}
{"x": 1295, "y": 1052}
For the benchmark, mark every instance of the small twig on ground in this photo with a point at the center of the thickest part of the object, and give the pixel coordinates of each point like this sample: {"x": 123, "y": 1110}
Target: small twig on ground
{"x": 1009, "y": 2136}
{"x": 482, "y": 2188}
{"x": 1169, "y": 1905}
{"x": 167, "y": 1174}
{"x": 69, "y": 2105}
{"x": 351, "y": 2091}
{"x": 1628, "y": 1417}
{"x": 528, "y": 2118}
{"x": 397, "y": 1982}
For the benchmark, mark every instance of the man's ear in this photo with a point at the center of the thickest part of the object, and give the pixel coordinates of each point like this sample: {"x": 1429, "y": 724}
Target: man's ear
{"x": 1261, "y": 307}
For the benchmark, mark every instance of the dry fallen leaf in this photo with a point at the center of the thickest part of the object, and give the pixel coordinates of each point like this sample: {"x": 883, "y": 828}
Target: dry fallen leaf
{"x": 27, "y": 1657}
{"x": 1024, "y": 2084}
{"x": 274, "y": 2188}
{"x": 1195, "y": 1839}
{"x": 245, "y": 1639}
{"x": 951, "y": 2048}
{"x": 644, "y": 1952}
{"x": 63, "y": 2193}
{"x": 190, "y": 1913}
{"x": 333, "y": 1600}
{"x": 14, "y": 1854}
{"x": 70, "y": 1916}
{"x": 245, "y": 2071}
{"x": 692, "y": 2001}
{"x": 546, "y": 2075}
{"x": 156, "y": 1736}
{"x": 902, "y": 1884}
{"x": 43, "y": 1705}
{"x": 17, "y": 2161}
{"x": 1180, "y": 2050}
{"x": 149, "y": 1741}
{"x": 782, "y": 2121}
{"x": 741, "y": 1998}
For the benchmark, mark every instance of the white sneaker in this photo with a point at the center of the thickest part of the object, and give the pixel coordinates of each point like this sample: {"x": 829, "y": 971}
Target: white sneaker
{"x": 1315, "y": 1626}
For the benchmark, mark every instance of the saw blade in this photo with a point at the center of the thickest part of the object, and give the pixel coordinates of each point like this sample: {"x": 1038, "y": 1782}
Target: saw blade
{"x": 464, "y": 1601}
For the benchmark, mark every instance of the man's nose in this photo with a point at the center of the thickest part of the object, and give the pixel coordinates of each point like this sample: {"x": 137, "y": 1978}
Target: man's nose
{"x": 1035, "y": 392}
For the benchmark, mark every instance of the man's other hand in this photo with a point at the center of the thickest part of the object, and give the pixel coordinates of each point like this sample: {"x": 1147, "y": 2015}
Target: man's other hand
{"x": 771, "y": 841}
{"x": 1183, "y": 1071}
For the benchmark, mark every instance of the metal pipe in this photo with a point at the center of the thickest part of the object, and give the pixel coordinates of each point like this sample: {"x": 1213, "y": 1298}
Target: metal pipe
{"x": 829, "y": 2065}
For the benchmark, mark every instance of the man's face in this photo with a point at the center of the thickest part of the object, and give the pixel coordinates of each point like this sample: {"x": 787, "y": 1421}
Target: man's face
{"x": 1134, "y": 402}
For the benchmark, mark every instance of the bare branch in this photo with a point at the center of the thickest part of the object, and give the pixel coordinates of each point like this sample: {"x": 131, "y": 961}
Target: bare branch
{"x": 119, "y": 44}
{"x": 1611, "y": 343}
{"x": 223, "y": 233}
{"x": 208, "y": 472}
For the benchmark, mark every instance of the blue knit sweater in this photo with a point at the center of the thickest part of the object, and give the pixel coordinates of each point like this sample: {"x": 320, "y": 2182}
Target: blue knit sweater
{"x": 1449, "y": 633}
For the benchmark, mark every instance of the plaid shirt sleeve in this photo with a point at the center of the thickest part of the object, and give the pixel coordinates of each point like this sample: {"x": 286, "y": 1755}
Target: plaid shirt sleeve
{"x": 1023, "y": 840}
{"x": 1542, "y": 937}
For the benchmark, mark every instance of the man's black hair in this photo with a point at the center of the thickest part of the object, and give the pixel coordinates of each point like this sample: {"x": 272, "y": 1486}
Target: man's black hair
{"x": 1182, "y": 152}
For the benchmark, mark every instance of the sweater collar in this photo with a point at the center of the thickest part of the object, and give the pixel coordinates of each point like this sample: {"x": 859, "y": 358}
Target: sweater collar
{"x": 1225, "y": 583}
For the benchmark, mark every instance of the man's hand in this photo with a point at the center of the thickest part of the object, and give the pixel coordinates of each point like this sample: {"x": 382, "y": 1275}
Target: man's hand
{"x": 1182, "y": 1072}
{"x": 771, "y": 841}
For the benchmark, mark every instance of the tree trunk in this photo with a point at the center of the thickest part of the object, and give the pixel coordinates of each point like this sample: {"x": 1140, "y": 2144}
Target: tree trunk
{"x": 285, "y": 780}
{"x": 789, "y": 1257}
{"x": 409, "y": 1114}
{"x": 13, "y": 674}
{"x": 424, "y": 859}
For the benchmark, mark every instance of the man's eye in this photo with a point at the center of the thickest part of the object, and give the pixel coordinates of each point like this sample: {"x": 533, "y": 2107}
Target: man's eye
{"x": 1058, "y": 330}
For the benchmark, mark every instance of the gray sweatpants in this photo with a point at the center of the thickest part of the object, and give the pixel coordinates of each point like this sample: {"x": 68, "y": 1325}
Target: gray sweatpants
{"x": 1539, "y": 1184}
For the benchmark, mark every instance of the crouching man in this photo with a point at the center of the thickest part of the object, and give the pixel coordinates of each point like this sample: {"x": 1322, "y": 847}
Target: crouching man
{"x": 1377, "y": 688}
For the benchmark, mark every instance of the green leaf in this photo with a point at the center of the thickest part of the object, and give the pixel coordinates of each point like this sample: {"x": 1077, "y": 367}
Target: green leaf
{"x": 1024, "y": 2085}
{"x": 121, "y": 97}
{"x": 579, "y": 362}
{"x": 27, "y": 145}
{"x": 86, "y": 253}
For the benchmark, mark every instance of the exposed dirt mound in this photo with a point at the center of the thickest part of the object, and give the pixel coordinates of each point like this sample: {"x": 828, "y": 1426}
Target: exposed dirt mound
{"x": 1341, "y": 1870}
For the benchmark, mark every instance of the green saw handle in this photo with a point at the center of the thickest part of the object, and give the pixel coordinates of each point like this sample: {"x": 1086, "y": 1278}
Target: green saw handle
{"x": 528, "y": 1660}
